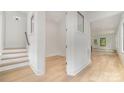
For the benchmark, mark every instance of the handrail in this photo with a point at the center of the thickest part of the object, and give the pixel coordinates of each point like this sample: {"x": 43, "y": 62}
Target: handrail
{"x": 27, "y": 38}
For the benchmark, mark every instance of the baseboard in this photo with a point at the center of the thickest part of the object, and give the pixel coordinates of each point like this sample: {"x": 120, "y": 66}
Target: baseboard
{"x": 75, "y": 72}
{"x": 35, "y": 71}
{"x": 121, "y": 56}
{"x": 104, "y": 50}
{"x": 55, "y": 54}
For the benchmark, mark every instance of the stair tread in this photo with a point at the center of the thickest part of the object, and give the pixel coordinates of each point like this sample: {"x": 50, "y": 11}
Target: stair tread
{"x": 13, "y": 50}
{"x": 11, "y": 63}
{"x": 13, "y": 66}
{"x": 14, "y": 60}
{"x": 15, "y": 54}
{"x": 10, "y": 56}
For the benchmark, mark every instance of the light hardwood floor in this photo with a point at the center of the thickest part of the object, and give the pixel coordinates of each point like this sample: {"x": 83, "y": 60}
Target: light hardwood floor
{"x": 104, "y": 67}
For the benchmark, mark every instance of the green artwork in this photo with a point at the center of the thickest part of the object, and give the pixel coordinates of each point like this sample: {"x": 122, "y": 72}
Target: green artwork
{"x": 103, "y": 42}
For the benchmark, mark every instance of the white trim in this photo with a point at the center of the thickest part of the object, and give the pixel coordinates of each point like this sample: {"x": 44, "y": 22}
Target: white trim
{"x": 55, "y": 54}
{"x": 104, "y": 50}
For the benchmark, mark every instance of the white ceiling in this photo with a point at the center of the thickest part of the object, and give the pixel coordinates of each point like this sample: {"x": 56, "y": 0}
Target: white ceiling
{"x": 101, "y": 21}
{"x": 104, "y": 22}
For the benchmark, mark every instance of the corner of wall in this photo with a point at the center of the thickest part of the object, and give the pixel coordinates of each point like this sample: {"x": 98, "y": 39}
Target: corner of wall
{"x": 76, "y": 71}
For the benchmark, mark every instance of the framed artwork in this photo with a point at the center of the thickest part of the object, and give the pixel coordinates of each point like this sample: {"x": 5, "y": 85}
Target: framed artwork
{"x": 103, "y": 42}
{"x": 80, "y": 22}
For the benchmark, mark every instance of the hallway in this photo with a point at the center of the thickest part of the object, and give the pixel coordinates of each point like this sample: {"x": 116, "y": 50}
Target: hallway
{"x": 105, "y": 67}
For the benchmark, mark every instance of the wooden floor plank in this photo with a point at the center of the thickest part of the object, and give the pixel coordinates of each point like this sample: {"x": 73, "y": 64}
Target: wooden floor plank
{"x": 105, "y": 67}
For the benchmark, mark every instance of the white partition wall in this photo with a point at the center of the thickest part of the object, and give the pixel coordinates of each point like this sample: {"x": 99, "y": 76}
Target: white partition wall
{"x": 1, "y": 42}
{"x": 36, "y": 50}
{"x": 120, "y": 39}
{"x": 78, "y": 50}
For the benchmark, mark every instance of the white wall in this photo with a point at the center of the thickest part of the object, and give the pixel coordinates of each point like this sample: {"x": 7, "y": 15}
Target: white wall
{"x": 78, "y": 44}
{"x": 61, "y": 35}
{"x": 1, "y": 46}
{"x": 15, "y": 30}
{"x": 119, "y": 36}
{"x": 110, "y": 41}
{"x": 36, "y": 50}
{"x": 120, "y": 39}
{"x": 51, "y": 38}
{"x": 55, "y": 37}
{"x": 45, "y": 33}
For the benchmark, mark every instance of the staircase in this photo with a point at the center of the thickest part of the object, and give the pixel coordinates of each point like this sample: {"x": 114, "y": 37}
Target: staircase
{"x": 13, "y": 58}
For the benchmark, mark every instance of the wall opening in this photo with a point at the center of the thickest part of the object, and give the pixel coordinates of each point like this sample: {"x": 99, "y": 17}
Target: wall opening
{"x": 55, "y": 41}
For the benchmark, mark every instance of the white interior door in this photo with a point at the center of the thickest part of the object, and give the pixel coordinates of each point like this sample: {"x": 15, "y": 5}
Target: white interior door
{"x": 78, "y": 43}
{"x": 15, "y": 30}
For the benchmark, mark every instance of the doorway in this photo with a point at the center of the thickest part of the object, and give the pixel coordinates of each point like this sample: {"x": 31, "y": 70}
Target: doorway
{"x": 55, "y": 42}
